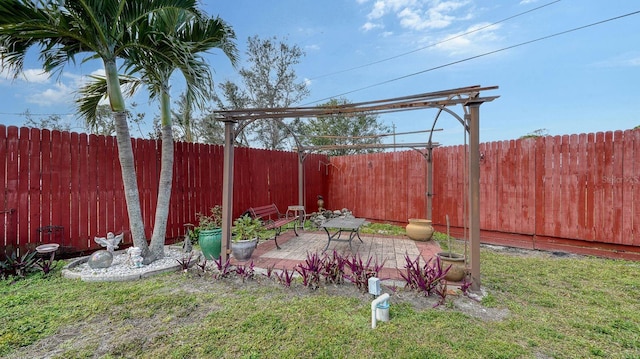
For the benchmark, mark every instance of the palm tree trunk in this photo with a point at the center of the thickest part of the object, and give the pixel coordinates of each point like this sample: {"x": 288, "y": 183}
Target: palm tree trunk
{"x": 125, "y": 154}
{"x": 166, "y": 178}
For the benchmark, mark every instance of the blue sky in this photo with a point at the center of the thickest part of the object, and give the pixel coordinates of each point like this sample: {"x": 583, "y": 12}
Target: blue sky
{"x": 581, "y": 81}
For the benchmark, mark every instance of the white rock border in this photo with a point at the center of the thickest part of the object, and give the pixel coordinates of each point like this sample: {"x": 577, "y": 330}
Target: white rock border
{"x": 119, "y": 271}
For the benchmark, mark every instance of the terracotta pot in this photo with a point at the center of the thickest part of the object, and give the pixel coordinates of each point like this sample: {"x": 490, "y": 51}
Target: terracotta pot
{"x": 456, "y": 261}
{"x": 419, "y": 229}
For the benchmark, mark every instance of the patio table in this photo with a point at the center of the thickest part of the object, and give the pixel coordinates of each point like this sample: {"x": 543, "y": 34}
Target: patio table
{"x": 351, "y": 225}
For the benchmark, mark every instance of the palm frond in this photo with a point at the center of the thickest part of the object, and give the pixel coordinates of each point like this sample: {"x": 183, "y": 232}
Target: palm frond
{"x": 175, "y": 40}
{"x": 95, "y": 91}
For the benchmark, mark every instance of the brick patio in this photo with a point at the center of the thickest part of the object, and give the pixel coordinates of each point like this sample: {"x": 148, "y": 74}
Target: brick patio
{"x": 294, "y": 250}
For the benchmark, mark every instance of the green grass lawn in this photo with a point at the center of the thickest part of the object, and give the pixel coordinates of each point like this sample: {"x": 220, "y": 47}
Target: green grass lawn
{"x": 559, "y": 308}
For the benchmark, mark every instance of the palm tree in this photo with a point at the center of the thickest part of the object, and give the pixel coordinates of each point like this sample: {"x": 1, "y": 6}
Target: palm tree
{"x": 183, "y": 37}
{"x": 107, "y": 30}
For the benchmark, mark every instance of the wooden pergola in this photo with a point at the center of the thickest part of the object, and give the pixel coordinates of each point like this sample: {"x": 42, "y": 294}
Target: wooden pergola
{"x": 468, "y": 97}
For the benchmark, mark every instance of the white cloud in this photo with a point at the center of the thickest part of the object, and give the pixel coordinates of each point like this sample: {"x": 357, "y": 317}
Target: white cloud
{"x": 378, "y": 10}
{"x": 37, "y": 87}
{"x": 419, "y": 14}
{"x": 44, "y": 92}
{"x": 35, "y": 76}
{"x": 525, "y": 2}
{"x": 59, "y": 93}
{"x": 470, "y": 41}
{"x": 370, "y": 26}
{"x": 624, "y": 60}
{"x": 313, "y": 47}
{"x": 4, "y": 74}
{"x": 384, "y": 7}
{"x": 74, "y": 80}
{"x": 98, "y": 72}
{"x": 438, "y": 16}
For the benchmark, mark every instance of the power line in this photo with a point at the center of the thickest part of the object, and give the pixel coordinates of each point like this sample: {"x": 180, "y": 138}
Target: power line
{"x": 485, "y": 54}
{"x": 435, "y": 43}
{"x": 35, "y": 114}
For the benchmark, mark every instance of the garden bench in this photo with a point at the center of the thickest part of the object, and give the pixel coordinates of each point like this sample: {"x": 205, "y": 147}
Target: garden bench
{"x": 272, "y": 219}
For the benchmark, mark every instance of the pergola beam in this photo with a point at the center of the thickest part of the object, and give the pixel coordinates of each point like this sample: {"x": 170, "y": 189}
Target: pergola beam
{"x": 425, "y": 100}
{"x": 368, "y": 146}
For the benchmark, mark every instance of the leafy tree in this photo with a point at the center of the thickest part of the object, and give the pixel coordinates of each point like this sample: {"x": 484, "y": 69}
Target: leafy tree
{"x": 189, "y": 127}
{"x": 345, "y": 132}
{"x": 270, "y": 81}
{"x": 137, "y": 33}
{"x": 541, "y": 132}
{"x": 183, "y": 120}
{"x": 103, "y": 122}
{"x": 51, "y": 122}
{"x": 209, "y": 130}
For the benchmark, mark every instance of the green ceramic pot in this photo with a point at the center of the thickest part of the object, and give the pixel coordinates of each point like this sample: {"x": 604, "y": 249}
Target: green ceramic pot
{"x": 210, "y": 241}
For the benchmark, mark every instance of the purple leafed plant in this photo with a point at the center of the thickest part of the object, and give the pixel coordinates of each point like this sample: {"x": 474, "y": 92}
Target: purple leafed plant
{"x": 285, "y": 277}
{"x": 441, "y": 291}
{"x": 423, "y": 278}
{"x": 393, "y": 288}
{"x": 19, "y": 266}
{"x": 269, "y": 273}
{"x": 304, "y": 274}
{"x": 361, "y": 271}
{"x": 310, "y": 270}
{"x": 245, "y": 272}
{"x": 464, "y": 287}
{"x": 224, "y": 269}
{"x": 46, "y": 265}
{"x": 333, "y": 268}
{"x": 185, "y": 262}
{"x": 202, "y": 265}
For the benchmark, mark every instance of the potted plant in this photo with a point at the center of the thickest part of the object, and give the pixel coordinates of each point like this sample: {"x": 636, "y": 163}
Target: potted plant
{"x": 209, "y": 232}
{"x": 246, "y": 232}
{"x": 454, "y": 260}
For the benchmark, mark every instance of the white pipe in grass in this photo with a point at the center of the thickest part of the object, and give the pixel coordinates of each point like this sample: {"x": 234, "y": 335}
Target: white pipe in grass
{"x": 374, "y": 304}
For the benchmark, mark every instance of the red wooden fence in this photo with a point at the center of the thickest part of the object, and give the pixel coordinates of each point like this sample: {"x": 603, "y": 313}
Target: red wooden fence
{"x": 577, "y": 192}
{"x": 71, "y": 184}
{"x": 552, "y": 192}
{"x": 386, "y": 187}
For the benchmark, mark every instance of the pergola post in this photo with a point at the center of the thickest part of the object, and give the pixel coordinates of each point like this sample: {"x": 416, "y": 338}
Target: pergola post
{"x": 227, "y": 190}
{"x": 430, "y": 182}
{"x": 474, "y": 192}
{"x": 301, "y": 157}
